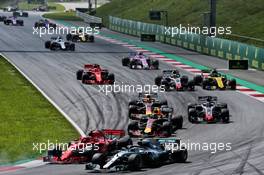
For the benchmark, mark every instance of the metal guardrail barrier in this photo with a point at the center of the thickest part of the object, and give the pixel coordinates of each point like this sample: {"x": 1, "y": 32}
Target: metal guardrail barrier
{"x": 88, "y": 18}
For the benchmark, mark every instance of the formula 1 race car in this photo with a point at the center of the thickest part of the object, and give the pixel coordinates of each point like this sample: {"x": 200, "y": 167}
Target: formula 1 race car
{"x": 2, "y": 18}
{"x": 44, "y": 23}
{"x": 162, "y": 124}
{"x": 94, "y": 74}
{"x": 208, "y": 110}
{"x": 20, "y": 13}
{"x": 13, "y": 21}
{"x": 140, "y": 61}
{"x": 145, "y": 104}
{"x": 75, "y": 36}
{"x": 148, "y": 154}
{"x": 212, "y": 79}
{"x": 10, "y": 9}
{"x": 172, "y": 80}
{"x": 83, "y": 149}
{"x": 57, "y": 43}
{"x": 42, "y": 8}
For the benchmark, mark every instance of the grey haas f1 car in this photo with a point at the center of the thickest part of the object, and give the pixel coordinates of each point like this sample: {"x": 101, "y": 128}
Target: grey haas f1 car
{"x": 148, "y": 154}
{"x": 140, "y": 61}
{"x": 80, "y": 36}
{"x": 172, "y": 80}
{"x": 208, "y": 110}
{"x": 20, "y": 13}
{"x": 13, "y": 21}
{"x": 57, "y": 43}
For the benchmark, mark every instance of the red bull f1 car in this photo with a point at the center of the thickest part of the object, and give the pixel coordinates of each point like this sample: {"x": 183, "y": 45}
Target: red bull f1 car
{"x": 145, "y": 105}
{"x": 148, "y": 154}
{"x": 212, "y": 79}
{"x": 83, "y": 149}
{"x": 172, "y": 80}
{"x": 208, "y": 110}
{"x": 163, "y": 124}
{"x": 140, "y": 61}
{"x": 94, "y": 74}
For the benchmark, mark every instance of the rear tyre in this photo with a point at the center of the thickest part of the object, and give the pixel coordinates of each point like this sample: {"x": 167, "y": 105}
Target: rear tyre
{"x": 134, "y": 162}
{"x": 79, "y": 74}
{"x": 47, "y": 44}
{"x": 158, "y": 80}
{"x": 225, "y": 115}
{"x": 177, "y": 122}
{"x": 180, "y": 156}
{"x": 192, "y": 115}
{"x": 125, "y": 61}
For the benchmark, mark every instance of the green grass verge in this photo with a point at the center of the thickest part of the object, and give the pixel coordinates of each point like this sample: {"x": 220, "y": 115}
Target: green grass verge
{"x": 53, "y": 6}
{"x": 245, "y": 17}
{"x": 68, "y": 16}
{"x": 26, "y": 118}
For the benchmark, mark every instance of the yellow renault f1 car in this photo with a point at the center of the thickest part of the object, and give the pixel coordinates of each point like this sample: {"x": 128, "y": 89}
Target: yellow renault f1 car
{"x": 79, "y": 36}
{"x": 212, "y": 79}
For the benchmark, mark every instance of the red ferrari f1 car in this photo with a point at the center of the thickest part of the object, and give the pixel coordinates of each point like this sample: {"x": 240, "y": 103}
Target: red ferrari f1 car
{"x": 94, "y": 74}
{"x": 83, "y": 149}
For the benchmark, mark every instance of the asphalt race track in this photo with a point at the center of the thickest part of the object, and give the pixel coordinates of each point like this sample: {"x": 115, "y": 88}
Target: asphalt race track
{"x": 54, "y": 73}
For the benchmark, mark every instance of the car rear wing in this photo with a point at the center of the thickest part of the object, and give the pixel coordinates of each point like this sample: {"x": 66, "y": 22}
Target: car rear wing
{"x": 114, "y": 133}
{"x": 152, "y": 94}
{"x": 207, "y": 98}
{"x": 170, "y": 71}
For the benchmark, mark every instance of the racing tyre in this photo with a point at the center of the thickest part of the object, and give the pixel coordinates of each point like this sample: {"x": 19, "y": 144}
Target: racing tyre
{"x": 198, "y": 79}
{"x": 132, "y": 110}
{"x": 134, "y": 162}
{"x": 177, "y": 122}
{"x": 36, "y": 25}
{"x": 192, "y": 115}
{"x": 225, "y": 115}
{"x": 180, "y": 156}
{"x": 155, "y": 64}
{"x": 79, "y": 74}
{"x": 84, "y": 78}
{"x": 47, "y": 44}
{"x": 232, "y": 84}
{"x": 68, "y": 37}
{"x": 72, "y": 47}
{"x": 166, "y": 128}
{"x": 158, "y": 80}
{"x": 191, "y": 85}
{"x": 53, "y": 47}
{"x": 75, "y": 38}
{"x": 132, "y": 102}
{"x": 91, "y": 38}
{"x": 125, "y": 61}
{"x": 99, "y": 159}
{"x": 132, "y": 126}
{"x": 111, "y": 78}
